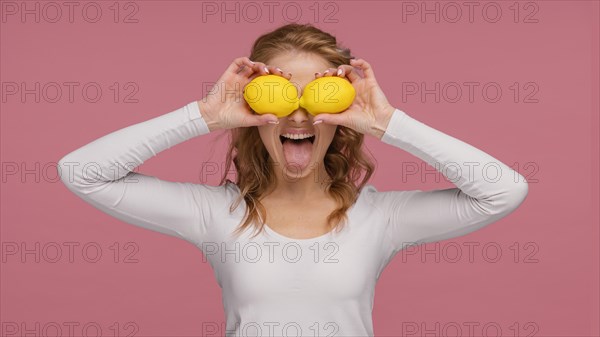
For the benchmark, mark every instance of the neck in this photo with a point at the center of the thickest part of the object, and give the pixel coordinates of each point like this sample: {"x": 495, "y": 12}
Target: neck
{"x": 298, "y": 186}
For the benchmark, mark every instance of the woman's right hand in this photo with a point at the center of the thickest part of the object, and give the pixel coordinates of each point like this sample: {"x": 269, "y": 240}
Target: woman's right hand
{"x": 224, "y": 106}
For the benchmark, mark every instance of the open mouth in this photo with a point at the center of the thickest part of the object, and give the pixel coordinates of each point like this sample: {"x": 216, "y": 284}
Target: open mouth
{"x": 297, "y": 150}
{"x": 283, "y": 139}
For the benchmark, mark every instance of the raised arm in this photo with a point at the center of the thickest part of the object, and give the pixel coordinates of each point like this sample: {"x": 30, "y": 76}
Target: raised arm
{"x": 101, "y": 173}
{"x": 479, "y": 199}
{"x": 415, "y": 217}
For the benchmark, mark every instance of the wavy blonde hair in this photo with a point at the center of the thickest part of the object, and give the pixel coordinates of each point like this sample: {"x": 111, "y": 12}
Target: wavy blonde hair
{"x": 345, "y": 161}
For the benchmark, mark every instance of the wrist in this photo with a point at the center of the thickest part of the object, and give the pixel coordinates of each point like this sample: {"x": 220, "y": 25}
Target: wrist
{"x": 207, "y": 114}
{"x": 380, "y": 127}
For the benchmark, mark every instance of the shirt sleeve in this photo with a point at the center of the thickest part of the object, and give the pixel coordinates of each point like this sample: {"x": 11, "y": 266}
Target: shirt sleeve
{"x": 487, "y": 190}
{"x": 101, "y": 173}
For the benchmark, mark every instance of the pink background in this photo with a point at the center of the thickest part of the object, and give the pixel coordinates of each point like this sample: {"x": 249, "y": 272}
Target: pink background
{"x": 170, "y": 52}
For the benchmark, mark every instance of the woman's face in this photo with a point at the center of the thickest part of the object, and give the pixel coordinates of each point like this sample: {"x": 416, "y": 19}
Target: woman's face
{"x": 298, "y": 159}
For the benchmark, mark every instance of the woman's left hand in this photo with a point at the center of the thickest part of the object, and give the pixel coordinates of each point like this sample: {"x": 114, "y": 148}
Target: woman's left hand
{"x": 370, "y": 112}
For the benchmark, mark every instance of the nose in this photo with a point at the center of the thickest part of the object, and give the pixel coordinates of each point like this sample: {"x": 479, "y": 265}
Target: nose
{"x": 299, "y": 116}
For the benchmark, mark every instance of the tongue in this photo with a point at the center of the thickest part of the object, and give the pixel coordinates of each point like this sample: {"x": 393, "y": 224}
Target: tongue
{"x": 297, "y": 154}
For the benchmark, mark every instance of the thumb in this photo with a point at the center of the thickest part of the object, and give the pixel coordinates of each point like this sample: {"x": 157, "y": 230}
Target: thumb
{"x": 258, "y": 120}
{"x": 328, "y": 119}
{"x": 267, "y": 119}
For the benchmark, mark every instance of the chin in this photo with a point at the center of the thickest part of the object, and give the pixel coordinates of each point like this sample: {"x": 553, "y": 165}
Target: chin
{"x": 297, "y": 151}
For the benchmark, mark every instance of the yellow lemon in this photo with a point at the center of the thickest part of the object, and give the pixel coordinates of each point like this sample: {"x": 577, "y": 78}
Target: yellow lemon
{"x": 271, "y": 94}
{"x": 327, "y": 95}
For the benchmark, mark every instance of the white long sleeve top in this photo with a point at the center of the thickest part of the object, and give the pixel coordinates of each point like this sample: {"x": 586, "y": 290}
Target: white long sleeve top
{"x": 273, "y": 285}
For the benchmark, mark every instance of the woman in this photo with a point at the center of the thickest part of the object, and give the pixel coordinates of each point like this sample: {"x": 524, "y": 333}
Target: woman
{"x": 321, "y": 236}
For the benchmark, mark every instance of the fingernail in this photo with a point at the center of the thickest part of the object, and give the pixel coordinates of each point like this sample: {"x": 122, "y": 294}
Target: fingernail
{"x": 290, "y": 74}
{"x": 339, "y": 72}
{"x": 316, "y": 74}
{"x": 318, "y": 122}
{"x": 326, "y": 71}
{"x": 252, "y": 62}
{"x": 279, "y": 70}
{"x": 273, "y": 122}
{"x": 267, "y": 70}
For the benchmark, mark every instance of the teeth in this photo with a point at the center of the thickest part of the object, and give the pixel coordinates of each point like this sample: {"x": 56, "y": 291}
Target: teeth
{"x": 297, "y": 136}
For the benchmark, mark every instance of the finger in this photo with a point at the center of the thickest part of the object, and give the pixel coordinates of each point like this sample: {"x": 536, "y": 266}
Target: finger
{"x": 279, "y": 72}
{"x": 237, "y": 64}
{"x": 318, "y": 74}
{"x": 342, "y": 69}
{"x": 364, "y": 66}
{"x": 268, "y": 119}
{"x": 329, "y": 72}
{"x": 260, "y": 68}
{"x": 240, "y": 66}
{"x": 272, "y": 70}
{"x": 264, "y": 119}
{"x": 246, "y": 71}
{"x": 250, "y": 69}
{"x": 351, "y": 73}
{"x": 332, "y": 119}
